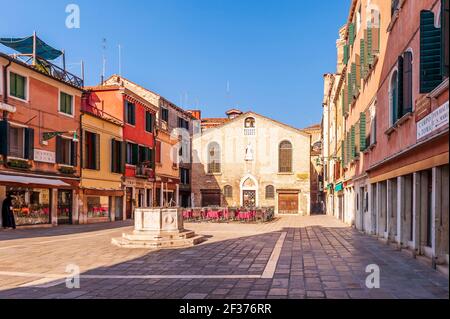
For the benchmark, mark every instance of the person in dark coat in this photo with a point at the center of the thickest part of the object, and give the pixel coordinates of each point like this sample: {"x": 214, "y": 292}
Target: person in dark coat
{"x": 7, "y": 213}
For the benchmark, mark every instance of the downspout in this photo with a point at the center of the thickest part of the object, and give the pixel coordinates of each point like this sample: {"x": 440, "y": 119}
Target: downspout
{"x": 5, "y": 87}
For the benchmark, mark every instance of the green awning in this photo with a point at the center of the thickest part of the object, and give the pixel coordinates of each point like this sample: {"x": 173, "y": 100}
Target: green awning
{"x": 330, "y": 186}
{"x": 25, "y": 46}
{"x": 339, "y": 187}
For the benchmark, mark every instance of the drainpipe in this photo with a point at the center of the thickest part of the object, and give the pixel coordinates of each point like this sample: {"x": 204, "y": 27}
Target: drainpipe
{"x": 5, "y": 87}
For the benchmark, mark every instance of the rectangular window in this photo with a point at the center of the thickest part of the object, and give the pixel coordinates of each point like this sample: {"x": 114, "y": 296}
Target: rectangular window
{"x": 16, "y": 142}
{"x": 17, "y": 86}
{"x": 145, "y": 155}
{"x": 184, "y": 176}
{"x": 158, "y": 152}
{"x": 66, "y": 103}
{"x": 130, "y": 113}
{"x": 65, "y": 152}
{"x": 148, "y": 122}
{"x": 132, "y": 154}
{"x": 182, "y": 123}
{"x": 165, "y": 114}
{"x": 117, "y": 156}
{"x": 92, "y": 151}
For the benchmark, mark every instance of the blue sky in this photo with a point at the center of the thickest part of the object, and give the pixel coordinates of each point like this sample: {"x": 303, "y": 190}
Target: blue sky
{"x": 273, "y": 53}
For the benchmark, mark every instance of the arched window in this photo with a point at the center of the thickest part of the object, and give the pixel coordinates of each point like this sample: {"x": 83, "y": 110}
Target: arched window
{"x": 393, "y": 98}
{"x": 250, "y": 122}
{"x": 270, "y": 192}
{"x": 228, "y": 191}
{"x": 285, "y": 157}
{"x": 214, "y": 158}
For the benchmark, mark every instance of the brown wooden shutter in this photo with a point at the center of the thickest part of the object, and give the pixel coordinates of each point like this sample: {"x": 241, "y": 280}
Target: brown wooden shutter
{"x": 73, "y": 153}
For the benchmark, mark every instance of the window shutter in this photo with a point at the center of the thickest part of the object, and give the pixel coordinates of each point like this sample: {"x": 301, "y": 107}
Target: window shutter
{"x": 73, "y": 153}
{"x": 343, "y": 153}
{"x": 362, "y": 58}
{"x": 362, "y": 132}
{"x": 354, "y": 80}
{"x": 135, "y": 148}
{"x": 123, "y": 154}
{"x": 158, "y": 152}
{"x": 4, "y": 137}
{"x": 97, "y": 151}
{"x": 407, "y": 83}
{"x": 346, "y": 54}
{"x": 349, "y": 90}
{"x": 348, "y": 149}
{"x": 400, "y": 87}
{"x": 351, "y": 33}
{"x": 444, "y": 37}
{"x": 343, "y": 100}
{"x": 59, "y": 149}
{"x": 430, "y": 53}
{"x": 29, "y": 143}
{"x": 114, "y": 158}
{"x": 353, "y": 145}
{"x": 369, "y": 46}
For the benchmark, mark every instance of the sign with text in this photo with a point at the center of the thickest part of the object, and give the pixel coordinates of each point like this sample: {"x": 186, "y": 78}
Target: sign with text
{"x": 433, "y": 122}
{"x": 7, "y": 107}
{"x": 44, "y": 156}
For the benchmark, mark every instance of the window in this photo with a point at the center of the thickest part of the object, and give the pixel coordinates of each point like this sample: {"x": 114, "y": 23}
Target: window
{"x": 17, "y": 86}
{"x": 16, "y": 142}
{"x": 132, "y": 153}
{"x": 182, "y": 123}
{"x": 393, "y": 97}
{"x": 165, "y": 114}
{"x": 214, "y": 158}
{"x": 91, "y": 151}
{"x": 117, "y": 156}
{"x": 184, "y": 176}
{"x": 270, "y": 192}
{"x": 66, "y": 151}
{"x": 130, "y": 113}
{"x": 228, "y": 191}
{"x": 158, "y": 152}
{"x": 285, "y": 157}
{"x": 407, "y": 102}
{"x": 65, "y": 103}
{"x": 145, "y": 155}
{"x": 148, "y": 122}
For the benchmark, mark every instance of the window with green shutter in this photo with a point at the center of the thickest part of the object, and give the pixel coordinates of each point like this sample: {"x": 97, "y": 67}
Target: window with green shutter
{"x": 148, "y": 122}
{"x": 17, "y": 86}
{"x": 349, "y": 90}
{"x": 346, "y": 54}
{"x": 352, "y": 143}
{"x": 362, "y": 131}
{"x": 362, "y": 58}
{"x": 351, "y": 33}
{"x": 65, "y": 103}
{"x": 342, "y": 153}
{"x": 430, "y": 53}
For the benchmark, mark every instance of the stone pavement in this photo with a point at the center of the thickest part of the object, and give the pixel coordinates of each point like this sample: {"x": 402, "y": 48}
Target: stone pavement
{"x": 292, "y": 257}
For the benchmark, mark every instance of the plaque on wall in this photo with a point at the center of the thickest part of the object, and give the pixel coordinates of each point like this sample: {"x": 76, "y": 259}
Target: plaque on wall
{"x": 44, "y": 156}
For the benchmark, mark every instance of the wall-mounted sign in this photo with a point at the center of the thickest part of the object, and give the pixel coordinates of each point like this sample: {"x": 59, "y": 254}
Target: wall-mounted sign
{"x": 44, "y": 156}
{"x": 7, "y": 107}
{"x": 433, "y": 122}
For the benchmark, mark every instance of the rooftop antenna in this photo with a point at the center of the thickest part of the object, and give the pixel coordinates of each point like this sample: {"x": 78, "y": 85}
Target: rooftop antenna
{"x": 104, "y": 59}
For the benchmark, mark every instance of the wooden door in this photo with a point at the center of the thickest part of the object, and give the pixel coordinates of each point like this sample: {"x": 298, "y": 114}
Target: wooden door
{"x": 287, "y": 203}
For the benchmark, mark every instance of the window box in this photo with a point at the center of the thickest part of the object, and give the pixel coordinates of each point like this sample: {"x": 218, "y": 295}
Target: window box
{"x": 67, "y": 170}
{"x": 19, "y": 163}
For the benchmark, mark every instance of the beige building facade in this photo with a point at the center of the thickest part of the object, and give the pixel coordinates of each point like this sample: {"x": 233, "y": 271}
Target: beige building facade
{"x": 252, "y": 161}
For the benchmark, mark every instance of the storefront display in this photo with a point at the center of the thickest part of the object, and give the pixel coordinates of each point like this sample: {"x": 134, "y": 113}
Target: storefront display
{"x": 31, "y": 206}
{"x": 98, "y": 206}
{"x": 64, "y": 207}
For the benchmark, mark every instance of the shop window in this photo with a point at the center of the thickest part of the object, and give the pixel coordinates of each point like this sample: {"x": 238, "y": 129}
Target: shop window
{"x": 98, "y": 206}
{"x": 17, "y": 86}
{"x": 31, "y": 206}
{"x": 65, "y": 103}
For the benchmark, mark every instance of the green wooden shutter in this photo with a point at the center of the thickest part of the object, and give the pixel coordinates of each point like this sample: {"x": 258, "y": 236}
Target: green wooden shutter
{"x": 123, "y": 156}
{"x": 351, "y": 33}
{"x": 73, "y": 153}
{"x": 350, "y": 90}
{"x": 362, "y": 58}
{"x": 135, "y": 150}
{"x": 444, "y": 37}
{"x": 353, "y": 145}
{"x": 346, "y": 54}
{"x": 4, "y": 137}
{"x": 343, "y": 153}
{"x": 407, "y": 83}
{"x": 97, "y": 151}
{"x": 430, "y": 53}
{"x": 369, "y": 46}
{"x": 114, "y": 156}
{"x": 29, "y": 143}
{"x": 362, "y": 132}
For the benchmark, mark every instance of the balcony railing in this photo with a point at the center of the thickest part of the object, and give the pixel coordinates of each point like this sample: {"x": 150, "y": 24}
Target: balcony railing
{"x": 58, "y": 73}
{"x": 144, "y": 171}
{"x": 249, "y": 131}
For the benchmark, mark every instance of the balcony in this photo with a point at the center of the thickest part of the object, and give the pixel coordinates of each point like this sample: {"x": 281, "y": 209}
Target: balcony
{"x": 250, "y": 131}
{"x": 144, "y": 171}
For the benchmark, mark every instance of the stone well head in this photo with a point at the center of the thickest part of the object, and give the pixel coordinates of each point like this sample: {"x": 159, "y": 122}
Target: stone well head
{"x": 158, "y": 220}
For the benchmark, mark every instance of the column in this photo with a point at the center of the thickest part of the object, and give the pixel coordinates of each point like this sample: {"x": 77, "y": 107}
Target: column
{"x": 416, "y": 210}
{"x": 112, "y": 208}
{"x": 54, "y": 206}
{"x": 435, "y": 207}
{"x": 75, "y": 207}
{"x": 177, "y": 196}
{"x": 161, "y": 195}
{"x": 400, "y": 208}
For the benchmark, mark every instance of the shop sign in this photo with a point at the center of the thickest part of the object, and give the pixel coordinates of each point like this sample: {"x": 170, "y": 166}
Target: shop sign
{"x": 7, "y": 107}
{"x": 339, "y": 187}
{"x": 433, "y": 122}
{"x": 44, "y": 156}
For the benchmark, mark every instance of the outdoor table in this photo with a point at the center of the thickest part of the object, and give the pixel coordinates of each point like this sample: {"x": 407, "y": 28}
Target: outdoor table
{"x": 187, "y": 214}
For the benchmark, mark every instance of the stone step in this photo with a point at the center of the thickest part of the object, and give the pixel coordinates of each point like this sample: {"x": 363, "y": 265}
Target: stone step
{"x": 159, "y": 237}
{"x": 158, "y": 244}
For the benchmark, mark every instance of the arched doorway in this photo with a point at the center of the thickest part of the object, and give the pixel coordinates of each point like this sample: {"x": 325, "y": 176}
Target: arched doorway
{"x": 249, "y": 191}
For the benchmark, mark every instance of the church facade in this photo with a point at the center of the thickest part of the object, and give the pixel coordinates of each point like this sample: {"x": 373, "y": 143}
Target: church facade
{"x": 252, "y": 161}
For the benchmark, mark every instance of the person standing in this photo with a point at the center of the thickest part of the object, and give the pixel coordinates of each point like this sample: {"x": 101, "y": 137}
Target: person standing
{"x": 7, "y": 213}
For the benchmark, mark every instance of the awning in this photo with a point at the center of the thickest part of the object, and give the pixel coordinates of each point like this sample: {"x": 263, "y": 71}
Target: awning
{"x": 24, "y": 180}
{"x": 25, "y": 46}
{"x": 339, "y": 187}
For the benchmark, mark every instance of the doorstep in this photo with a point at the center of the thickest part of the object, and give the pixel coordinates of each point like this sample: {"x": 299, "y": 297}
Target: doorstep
{"x": 98, "y": 220}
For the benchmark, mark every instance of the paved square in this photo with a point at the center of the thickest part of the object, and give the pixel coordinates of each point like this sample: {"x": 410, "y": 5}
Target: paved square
{"x": 292, "y": 257}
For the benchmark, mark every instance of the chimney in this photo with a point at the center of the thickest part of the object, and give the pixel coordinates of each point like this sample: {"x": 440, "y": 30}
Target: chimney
{"x": 196, "y": 113}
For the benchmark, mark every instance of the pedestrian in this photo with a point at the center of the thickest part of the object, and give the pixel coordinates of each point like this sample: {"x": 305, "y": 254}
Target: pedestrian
{"x": 7, "y": 213}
